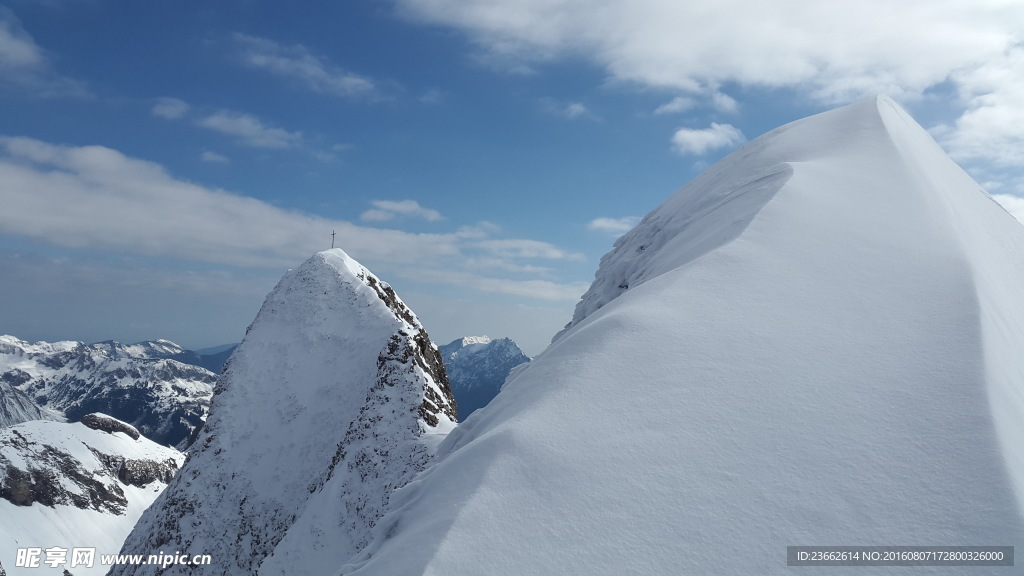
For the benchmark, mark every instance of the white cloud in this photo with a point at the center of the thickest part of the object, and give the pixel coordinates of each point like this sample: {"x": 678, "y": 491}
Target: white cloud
{"x": 297, "y": 62}
{"x": 17, "y": 49}
{"x": 837, "y": 47}
{"x": 576, "y": 110}
{"x": 676, "y": 105}
{"x": 518, "y": 248}
{"x": 170, "y": 108}
{"x": 724, "y": 103}
{"x": 616, "y": 226}
{"x": 250, "y": 130}
{"x": 834, "y": 50}
{"x": 95, "y": 198}
{"x": 25, "y": 65}
{"x": 213, "y": 157}
{"x": 1013, "y": 204}
{"x": 697, "y": 142}
{"x": 992, "y": 127}
{"x": 540, "y": 289}
{"x": 385, "y": 210}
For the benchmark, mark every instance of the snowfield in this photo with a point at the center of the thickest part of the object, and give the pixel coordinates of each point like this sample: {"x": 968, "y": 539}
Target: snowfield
{"x": 820, "y": 341}
{"x": 85, "y": 464}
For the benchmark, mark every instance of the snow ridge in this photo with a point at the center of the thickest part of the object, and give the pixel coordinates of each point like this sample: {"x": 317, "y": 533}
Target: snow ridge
{"x": 335, "y": 397}
{"x": 816, "y": 341}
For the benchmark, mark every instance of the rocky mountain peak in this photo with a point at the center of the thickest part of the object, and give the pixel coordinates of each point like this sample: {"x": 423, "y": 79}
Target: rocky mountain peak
{"x": 335, "y": 398}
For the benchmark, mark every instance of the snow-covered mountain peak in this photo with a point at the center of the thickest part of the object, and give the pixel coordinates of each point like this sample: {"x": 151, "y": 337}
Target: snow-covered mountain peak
{"x": 335, "y": 397}
{"x": 718, "y": 205}
{"x": 469, "y": 340}
{"x": 814, "y": 341}
{"x": 477, "y": 367}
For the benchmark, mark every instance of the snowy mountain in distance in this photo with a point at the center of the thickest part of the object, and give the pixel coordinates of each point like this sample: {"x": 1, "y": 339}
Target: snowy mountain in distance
{"x": 816, "y": 342}
{"x": 138, "y": 383}
{"x": 17, "y": 407}
{"x": 335, "y": 398}
{"x": 83, "y": 484}
{"x": 477, "y": 367}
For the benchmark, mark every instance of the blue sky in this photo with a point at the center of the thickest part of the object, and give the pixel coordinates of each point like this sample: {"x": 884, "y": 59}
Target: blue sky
{"x": 162, "y": 164}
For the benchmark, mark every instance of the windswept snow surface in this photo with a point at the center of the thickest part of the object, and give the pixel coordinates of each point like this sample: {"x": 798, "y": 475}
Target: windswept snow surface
{"x": 335, "y": 397}
{"x": 820, "y": 341}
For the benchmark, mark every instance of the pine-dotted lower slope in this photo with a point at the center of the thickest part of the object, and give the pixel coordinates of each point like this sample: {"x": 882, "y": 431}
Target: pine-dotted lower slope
{"x": 335, "y": 397}
{"x": 817, "y": 342}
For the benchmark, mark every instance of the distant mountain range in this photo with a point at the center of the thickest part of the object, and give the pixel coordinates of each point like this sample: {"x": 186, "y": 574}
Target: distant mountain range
{"x": 142, "y": 384}
{"x": 477, "y": 367}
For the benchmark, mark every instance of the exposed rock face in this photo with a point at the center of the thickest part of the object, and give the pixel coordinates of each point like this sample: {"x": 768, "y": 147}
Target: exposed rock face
{"x": 98, "y": 421}
{"x": 164, "y": 399}
{"x": 477, "y": 367}
{"x": 335, "y": 398}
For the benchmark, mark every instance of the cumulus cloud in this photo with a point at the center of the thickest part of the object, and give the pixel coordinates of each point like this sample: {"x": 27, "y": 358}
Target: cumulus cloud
{"x": 689, "y": 141}
{"x": 385, "y": 210}
{"x": 24, "y": 64}
{"x": 724, "y": 103}
{"x": 96, "y": 198}
{"x": 250, "y": 131}
{"x": 992, "y": 127}
{"x": 834, "y": 50}
{"x": 676, "y": 105}
{"x": 299, "y": 63}
{"x": 170, "y": 108}
{"x": 837, "y": 47}
{"x": 616, "y": 226}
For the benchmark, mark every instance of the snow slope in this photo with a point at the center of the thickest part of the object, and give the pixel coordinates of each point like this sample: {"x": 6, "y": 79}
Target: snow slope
{"x": 817, "y": 342}
{"x": 335, "y": 397}
{"x": 69, "y": 485}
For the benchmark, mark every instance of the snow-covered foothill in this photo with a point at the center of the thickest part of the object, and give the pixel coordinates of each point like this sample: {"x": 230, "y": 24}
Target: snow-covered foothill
{"x": 69, "y": 485}
{"x": 335, "y": 397}
{"x": 816, "y": 342}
